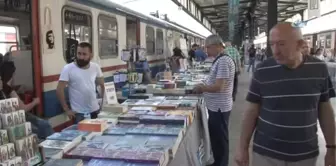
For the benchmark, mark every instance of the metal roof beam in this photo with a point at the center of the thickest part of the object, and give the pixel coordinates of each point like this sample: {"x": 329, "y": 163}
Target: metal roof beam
{"x": 292, "y": 3}
{"x": 187, "y": 9}
{"x": 223, "y": 4}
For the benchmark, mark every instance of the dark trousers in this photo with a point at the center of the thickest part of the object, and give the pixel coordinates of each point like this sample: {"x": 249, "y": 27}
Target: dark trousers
{"x": 235, "y": 86}
{"x": 79, "y": 117}
{"x": 219, "y": 136}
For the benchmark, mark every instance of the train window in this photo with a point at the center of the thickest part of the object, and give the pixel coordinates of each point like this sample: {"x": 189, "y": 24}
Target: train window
{"x": 159, "y": 42}
{"x": 150, "y": 40}
{"x": 77, "y": 27}
{"x": 108, "y": 37}
{"x": 328, "y": 40}
{"x": 8, "y": 39}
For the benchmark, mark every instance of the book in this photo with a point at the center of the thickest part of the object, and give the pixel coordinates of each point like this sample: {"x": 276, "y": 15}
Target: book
{"x": 18, "y": 161}
{"x": 129, "y": 118}
{"x": 3, "y": 153}
{"x": 114, "y": 108}
{"x": 7, "y": 120}
{"x": 72, "y": 127}
{"x": 66, "y": 136}
{"x": 119, "y": 129}
{"x": 4, "y": 137}
{"x": 131, "y": 102}
{"x": 176, "y": 120}
{"x": 104, "y": 162}
{"x": 22, "y": 116}
{"x": 92, "y": 144}
{"x": 28, "y": 128}
{"x": 11, "y": 150}
{"x": 52, "y": 153}
{"x": 57, "y": 144}
{"x": 93, "y": 125}
{"x": 64, "y": 162}
{"x": 21, "y": 148}
{"x": 109, "y": 139}
{"x": 16, "y": 132}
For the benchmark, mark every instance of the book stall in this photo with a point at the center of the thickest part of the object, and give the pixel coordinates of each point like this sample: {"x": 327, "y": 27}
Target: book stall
{"x": 157, "y": 125}
{"x": 19, "y": 147}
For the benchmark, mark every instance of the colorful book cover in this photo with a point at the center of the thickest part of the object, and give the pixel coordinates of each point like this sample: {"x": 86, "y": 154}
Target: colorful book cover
{"x": 72, "y": 127}
{"x": 11, "y": 150}
{"x": 4, "y": 137}
{"x": 3, "y": 153}
{"x": 92, "y": 144}
{"x": 109, "y": 139}
{"x": 55, "y": 144}
{"x": 93, "y": 125}
{"x": 65, "y": 136}
{"x": 104, "y": 162}
{"x": 63, "y": 162}
{"x": 119, "y": 129}
{"x": 52, "y": 153}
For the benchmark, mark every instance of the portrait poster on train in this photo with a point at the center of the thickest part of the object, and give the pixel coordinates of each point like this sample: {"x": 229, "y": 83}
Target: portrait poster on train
{"x": 48, "y": 32}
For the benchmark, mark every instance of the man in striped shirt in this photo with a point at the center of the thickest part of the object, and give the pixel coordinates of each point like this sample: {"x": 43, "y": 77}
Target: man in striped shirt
{"x": 287, "y": 95}
{"x": 217, "y": 92}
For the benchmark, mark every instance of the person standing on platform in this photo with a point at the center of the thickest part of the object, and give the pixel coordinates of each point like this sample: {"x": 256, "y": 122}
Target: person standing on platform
{"x": 252, "y": 57}
{"x": 234, "y": 54}
{"x": 217, "y": 92}
{"x": 81, "y": 77}
{"x": 305, "y": 49}
{"x": 287, "y": 95}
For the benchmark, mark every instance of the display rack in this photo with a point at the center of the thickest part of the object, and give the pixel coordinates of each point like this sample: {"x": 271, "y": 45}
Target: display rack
{"x": 130, "y": 56}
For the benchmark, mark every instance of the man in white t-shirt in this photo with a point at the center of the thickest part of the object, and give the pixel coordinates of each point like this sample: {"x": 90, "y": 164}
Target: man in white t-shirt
{"x": 81, "y": 77}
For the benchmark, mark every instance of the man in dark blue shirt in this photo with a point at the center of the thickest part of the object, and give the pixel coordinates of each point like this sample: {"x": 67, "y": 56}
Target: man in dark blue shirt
{"x": 287, "y": 95}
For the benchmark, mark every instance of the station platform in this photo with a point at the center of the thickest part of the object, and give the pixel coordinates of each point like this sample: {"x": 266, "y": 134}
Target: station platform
{"x": 237, "y": 116}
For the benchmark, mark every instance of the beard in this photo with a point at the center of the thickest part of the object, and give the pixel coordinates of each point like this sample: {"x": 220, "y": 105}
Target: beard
{"x": 82, "y": 63}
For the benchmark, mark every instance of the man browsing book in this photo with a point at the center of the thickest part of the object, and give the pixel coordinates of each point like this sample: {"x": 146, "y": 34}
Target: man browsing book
{"x": 81, "y": 77}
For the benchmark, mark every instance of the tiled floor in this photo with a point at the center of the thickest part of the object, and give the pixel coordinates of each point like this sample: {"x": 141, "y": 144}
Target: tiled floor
{"x": 237, "y": 114}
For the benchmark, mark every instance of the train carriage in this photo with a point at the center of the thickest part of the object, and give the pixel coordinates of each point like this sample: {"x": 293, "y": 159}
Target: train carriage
{"x": 57, "y": 25}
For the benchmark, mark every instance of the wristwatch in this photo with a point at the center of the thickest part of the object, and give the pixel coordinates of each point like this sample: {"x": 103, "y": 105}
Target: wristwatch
{"x": 331, "y": 146}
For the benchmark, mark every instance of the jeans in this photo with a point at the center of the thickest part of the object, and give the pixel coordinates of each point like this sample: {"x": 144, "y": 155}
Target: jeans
{"x": 79, "y": 116}
{"x": 40, "y": 127}
{"x": 219, "y": 136}
{"x": 251, "y": 64}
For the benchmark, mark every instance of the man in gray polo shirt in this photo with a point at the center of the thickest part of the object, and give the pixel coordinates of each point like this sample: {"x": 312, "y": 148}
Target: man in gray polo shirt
{"x": 287, "y": 95}
{"x": 217, "y": 92}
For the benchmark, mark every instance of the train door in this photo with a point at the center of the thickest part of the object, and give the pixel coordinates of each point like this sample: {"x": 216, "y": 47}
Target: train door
{"x": 17, "y": 45}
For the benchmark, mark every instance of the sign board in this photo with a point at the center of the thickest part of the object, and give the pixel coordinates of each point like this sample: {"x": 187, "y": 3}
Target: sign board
{"x": 313, "y": 8}
{"x": 110, "y": 94}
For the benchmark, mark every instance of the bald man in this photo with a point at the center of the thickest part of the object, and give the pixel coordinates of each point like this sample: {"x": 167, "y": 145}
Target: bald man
{"x": 287, "y": 95}
{"x": 305, "y": 49}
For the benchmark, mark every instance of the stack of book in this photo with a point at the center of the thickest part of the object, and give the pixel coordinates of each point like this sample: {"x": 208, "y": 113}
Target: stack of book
{"x": 136, "y": 148}
{"x": 18, "y": 145}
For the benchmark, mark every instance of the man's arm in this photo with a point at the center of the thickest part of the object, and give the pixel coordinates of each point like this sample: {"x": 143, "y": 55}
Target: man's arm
{"x": 248, "y": 126}
{"x": 60, "y": 94}
{"x": 251, "y": 114}
{"x": 326, "y": 113}
{"x": 62, "y": 84}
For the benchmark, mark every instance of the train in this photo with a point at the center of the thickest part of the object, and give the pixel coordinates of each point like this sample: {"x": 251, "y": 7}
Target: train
{"x": 40, "y": 37}
{"x": 319, "y": 32}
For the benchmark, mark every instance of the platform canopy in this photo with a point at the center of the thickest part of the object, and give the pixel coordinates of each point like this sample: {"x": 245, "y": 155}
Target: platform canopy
{"x": 214, "y": 14}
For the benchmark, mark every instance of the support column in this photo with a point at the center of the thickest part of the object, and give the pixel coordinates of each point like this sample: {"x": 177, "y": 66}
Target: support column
{"x": 250, "y": 27}
{"x": 272, "y": 20}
